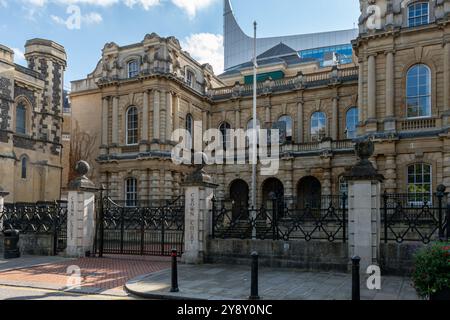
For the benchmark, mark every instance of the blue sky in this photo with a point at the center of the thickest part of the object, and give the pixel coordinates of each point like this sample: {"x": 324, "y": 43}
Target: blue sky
{"x": 197, "y": 24}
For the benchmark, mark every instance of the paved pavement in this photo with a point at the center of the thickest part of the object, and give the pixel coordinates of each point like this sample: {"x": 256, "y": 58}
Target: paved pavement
{"x": 214, "y": 282}
{"x": 21, "y": 293}
{"x": 105, "y": 276}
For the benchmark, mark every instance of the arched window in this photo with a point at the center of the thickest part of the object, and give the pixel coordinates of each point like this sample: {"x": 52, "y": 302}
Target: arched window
{"x": 190, "y": 129}
{"x": 225, "y": 131}
{"x": 419, "y": 183}
{"x": 21, "y": 118}
{"x": 418, "y": 14}
{"x": 318, "y": 126}
{"x": 131, "y": 194}
{"x": 351, "y": 121}
{"x": 133, "y": 69}
{"x": 418, "y": 91}
{"x": 24, "y": 167}
{"x": 132, "y": 126}
{"x": 286, "y": 122}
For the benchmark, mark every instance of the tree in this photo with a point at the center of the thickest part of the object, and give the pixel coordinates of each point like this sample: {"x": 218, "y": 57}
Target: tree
{"x": 82, "y": 147}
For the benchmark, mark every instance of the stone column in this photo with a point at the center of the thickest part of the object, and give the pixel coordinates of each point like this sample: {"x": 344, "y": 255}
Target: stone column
{"x": 371, "y": 88}
{"x": 156, "y": 116}
{"x": 364, "y": 203}
{"x": 169, "y": 116}
{"x": 237, "y": 119}
{"x": 115, "y": 121}
{"x": 446, "y": 162}
{"x": 361, "y": 104}
{"x": 447, "y": 83}
{"x": 3, "y": 195}
{"x": 335, "y": 119}
{"x": 105, "y": 106}
{"x": 163, "y": 115}
{"x": 145, "y": 111}
{"x": 199, "y": 192}
{"x": 176, "y": 112}
{"x": 81, "y": 213}
{"x": 389, "y": 123}
{"x": 300, "y": 130}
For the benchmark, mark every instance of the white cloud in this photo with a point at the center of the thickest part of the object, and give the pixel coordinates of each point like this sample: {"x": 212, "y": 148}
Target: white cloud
{"x": 19, "y": 56}
{"x": 206, "y": 48}
{"x": 146, "y": 4}
{"x": 192, "y": 6}
{"x": 92, "y": 18}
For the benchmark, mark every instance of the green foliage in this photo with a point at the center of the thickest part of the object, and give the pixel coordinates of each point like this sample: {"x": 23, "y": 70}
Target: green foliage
{"x": 432, "y": 269}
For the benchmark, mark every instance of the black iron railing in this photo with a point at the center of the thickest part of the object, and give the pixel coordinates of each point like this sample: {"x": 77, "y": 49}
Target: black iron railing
{"x": 37, "y": 218}
{"x": 414, "y": 218}
{"x": 314, "y": 218}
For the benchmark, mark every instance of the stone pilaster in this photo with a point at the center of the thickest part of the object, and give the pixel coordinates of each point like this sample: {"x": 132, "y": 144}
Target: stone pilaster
{"x": 155, "y": 181}
{"x": 389, "y": 122}
{"x": 163, "y": 116}
{"x": 169, "y": 116}
{"x": 145, "y": 113}
{"x": 115, "y": 121}
{"x": 300, "y": 130}
{"x": 156, "y": 115}
{"x": 105, "y": 111}
{"x": 391, "y": 174}
{"x": 176, "y": 106}
{"x": 446, "y": 162}
{"x": 446, "y": 84}
{"x": 335, "y": 119}
{"x": 371, "y": 87}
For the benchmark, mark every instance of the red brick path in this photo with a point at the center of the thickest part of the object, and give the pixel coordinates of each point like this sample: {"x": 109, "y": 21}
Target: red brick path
{"x": 105, "y": 273}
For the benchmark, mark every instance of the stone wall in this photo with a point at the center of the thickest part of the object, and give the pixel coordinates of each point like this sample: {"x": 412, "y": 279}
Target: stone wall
{"x": 396, "y": 259}
{"x": 32, "y": 244}
{"x": 294, "y": 254}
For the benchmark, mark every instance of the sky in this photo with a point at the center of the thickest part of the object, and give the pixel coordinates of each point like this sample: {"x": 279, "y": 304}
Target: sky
{"x": 84, "y": 26}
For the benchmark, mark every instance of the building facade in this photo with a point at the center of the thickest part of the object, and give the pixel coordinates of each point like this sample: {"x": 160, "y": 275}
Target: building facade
{"x": 31, "y": 104}
{"x": 395, "y": 91}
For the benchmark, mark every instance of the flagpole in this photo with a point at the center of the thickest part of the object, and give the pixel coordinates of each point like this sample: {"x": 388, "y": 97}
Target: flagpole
{"x": 255, "y": 132}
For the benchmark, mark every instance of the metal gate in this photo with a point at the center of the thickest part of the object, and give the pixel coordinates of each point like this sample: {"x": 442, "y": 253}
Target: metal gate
{"x": 148, "y": 228}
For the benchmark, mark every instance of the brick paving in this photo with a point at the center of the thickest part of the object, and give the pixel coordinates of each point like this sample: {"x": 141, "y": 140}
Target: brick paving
{"x": 101, "y": 274}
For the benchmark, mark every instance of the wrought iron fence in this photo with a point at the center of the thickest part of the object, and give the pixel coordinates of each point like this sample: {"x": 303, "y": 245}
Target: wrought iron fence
{"x": 414, "y": 218}
{"x": 37, "y": 218}
{"x": 146, "y": 228}
{"x": 322, "y": 218}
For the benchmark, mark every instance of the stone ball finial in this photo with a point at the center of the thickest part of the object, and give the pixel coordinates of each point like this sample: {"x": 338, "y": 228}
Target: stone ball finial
{"x": 441, "y": 189}
{"x": 82, "y": 168}
{"x": 365, "y": 149}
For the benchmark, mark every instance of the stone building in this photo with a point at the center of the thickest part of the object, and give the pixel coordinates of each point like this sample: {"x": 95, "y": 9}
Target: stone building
{"x": 31, "y": 103}
{"x": 395, "y": 91}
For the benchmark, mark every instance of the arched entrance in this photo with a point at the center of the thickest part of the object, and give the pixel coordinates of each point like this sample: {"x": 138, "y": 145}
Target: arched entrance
{"x": 275, "y": 186}
{"x": 239, "y": 196}
{"x": 309, "y": 192}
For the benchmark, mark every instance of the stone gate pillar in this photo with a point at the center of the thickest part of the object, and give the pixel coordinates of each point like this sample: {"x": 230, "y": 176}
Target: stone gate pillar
{"x": 199, "y": 191}
{"x": 81, "y": 213}
{"x": 3, "y": 195}
{"x": 364, "y": 204}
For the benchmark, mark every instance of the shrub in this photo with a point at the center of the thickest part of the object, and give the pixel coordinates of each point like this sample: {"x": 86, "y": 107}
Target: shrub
{"x": 432, "y": 270}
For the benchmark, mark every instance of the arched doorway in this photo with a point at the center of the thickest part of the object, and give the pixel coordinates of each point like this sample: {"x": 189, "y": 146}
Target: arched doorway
{"x": 309, "y": 192}
{"x": 272, "y": 186}
{"x": 239, "y": 196}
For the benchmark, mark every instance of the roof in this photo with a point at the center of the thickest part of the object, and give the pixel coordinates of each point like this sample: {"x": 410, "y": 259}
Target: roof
{"x": 277, "y": 51}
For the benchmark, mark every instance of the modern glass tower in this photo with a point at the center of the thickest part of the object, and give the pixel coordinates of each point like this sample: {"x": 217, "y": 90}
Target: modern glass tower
{"x": 322, "y": 46}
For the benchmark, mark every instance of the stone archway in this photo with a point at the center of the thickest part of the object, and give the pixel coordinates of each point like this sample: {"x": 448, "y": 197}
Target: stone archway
{"x": 309, "y": 192}
{"x": 272, "y": 186}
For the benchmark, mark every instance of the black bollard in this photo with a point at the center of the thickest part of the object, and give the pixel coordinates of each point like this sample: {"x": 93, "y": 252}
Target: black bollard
{"x": 356, "y": 290}
{"x": 174, "y": 272}
{"x": 254, "y": 285}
